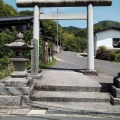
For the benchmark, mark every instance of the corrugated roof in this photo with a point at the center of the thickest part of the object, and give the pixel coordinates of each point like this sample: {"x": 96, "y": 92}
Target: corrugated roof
{"x": 15, "y": 18}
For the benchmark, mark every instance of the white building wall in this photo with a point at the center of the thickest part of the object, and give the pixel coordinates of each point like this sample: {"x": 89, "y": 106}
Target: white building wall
{"x": 106, "y": 42}
{"x": 106, "y": 38}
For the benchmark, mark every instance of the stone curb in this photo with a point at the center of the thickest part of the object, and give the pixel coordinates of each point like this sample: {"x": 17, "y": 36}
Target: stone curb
{"x": 27, "y": 112}
{"x": 85, "y": 112}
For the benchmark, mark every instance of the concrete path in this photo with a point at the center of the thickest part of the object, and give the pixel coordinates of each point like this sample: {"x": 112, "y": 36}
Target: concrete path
{"x": 66, "y": 78}
{"x": 72, "y": 60}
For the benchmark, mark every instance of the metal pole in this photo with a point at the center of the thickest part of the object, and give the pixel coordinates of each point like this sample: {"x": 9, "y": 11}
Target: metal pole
{"x": 90, "y": 44}
{"x": 57, "y": 35}
{"x": 35, "y": 42}
{"x": 57, "y": 28}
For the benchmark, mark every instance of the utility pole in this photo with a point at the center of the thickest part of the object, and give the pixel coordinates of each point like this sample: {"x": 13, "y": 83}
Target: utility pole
{"x": 57, "y": 35}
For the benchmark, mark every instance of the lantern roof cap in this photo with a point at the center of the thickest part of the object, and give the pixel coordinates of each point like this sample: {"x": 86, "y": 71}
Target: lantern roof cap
{"x": 19, "y": 44}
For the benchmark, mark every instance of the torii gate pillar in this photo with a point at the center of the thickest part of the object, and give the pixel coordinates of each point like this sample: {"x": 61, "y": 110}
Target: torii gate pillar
{"x": 90, "y": 43}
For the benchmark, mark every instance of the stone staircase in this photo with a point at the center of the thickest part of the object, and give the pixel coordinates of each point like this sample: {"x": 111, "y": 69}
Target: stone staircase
{"x": 70, "y": 94}
{"x": 82, "y": 94}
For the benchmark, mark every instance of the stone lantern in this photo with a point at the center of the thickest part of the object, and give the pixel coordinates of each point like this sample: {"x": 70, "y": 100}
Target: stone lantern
{"x": 18, "y": 77}
{"x": 17, "y": 88}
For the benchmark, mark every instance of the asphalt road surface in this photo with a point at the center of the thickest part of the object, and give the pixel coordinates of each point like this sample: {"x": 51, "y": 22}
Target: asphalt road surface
{"x": 70, "y": 60}
{"x": 52, "y": 118}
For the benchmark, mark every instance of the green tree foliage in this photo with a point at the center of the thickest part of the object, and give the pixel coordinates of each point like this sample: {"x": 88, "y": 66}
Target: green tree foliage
{"x": 71, "y": 29}
{"x": 7, "y": 10}
{"x": 106, "y": 24}
{"x": 72, "y": 43}
{"x": 26, "y": 12}
{"x": 50, "y": 28}
{"x": 81, "y": 33}
{"x": 6, "y": 37}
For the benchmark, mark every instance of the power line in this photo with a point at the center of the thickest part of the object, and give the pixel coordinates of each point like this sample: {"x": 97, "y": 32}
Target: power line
{"x": 41, "y": 10}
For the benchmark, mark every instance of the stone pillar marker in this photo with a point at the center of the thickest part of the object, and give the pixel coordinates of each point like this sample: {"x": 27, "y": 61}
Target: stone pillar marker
{"x": 35, "y": 43}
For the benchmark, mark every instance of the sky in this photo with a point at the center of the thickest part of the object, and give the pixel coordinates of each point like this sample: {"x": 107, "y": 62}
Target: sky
{"x": 100, "y": 13}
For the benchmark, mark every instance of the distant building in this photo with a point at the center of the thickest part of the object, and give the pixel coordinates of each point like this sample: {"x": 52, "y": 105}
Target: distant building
{"x": 110, "y": 38}
{"x": 21, "y": 23}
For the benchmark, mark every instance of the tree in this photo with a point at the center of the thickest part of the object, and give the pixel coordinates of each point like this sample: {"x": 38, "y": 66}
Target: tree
{"x": 7, "y": 10}
{"x": 26, "y": 12}
{"x": 49, "y": 28}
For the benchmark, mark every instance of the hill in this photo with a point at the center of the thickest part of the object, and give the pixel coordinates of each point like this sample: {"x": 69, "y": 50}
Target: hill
{"x": 98, "y": 26}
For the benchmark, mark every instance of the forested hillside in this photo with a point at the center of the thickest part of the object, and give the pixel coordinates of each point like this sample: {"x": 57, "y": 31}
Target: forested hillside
{"x": 98, "y": 26}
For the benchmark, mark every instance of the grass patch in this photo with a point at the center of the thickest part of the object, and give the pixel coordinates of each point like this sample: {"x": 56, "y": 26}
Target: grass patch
{"x": 98, "y": 71}
{"x": 4, "y": 73}
{"x": 8, "y": 70}
{"x": 49, "y": 64}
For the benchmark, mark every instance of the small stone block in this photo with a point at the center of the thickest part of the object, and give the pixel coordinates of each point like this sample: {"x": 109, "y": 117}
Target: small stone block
{"x": 19, "y": 111}
{"x": 25, "y": 100}
{"x": 10, "y": 100}
{"x": 90, "y": 73}
{"x": 119, "y": 74}
{"x": 37, "y": 112}
{"x": 115, "y": 101}
{"x": 116, "y": 92}
{"x": 35, "y": 76}
{"x": 14, "y": 90}
{"x": 117, "y": 82}
{"x": 17, "y": 82}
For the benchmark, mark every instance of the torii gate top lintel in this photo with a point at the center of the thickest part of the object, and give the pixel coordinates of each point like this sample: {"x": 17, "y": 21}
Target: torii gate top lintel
{"x": 62, "y": 3}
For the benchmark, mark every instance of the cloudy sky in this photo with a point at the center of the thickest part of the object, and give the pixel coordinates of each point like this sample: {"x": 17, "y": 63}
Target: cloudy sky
{"x": 100, "y": 13}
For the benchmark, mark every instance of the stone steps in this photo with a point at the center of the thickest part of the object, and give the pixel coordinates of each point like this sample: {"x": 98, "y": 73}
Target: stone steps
{"x": 64, "y": 96}
{"x": 73, "y": 106}
{"x": 68, "y": 89}
{"x": 103, "y": 88}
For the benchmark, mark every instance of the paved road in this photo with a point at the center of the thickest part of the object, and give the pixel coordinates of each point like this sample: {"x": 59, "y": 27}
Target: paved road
{"x": 51, "y": 118}
{"x": 70, "y": 60}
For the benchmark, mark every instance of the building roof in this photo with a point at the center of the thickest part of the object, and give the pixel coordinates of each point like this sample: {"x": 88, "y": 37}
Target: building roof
{"x": 23, "y": 18}
{"x": 15, "y": 18}
{"x": 112, "y": 28}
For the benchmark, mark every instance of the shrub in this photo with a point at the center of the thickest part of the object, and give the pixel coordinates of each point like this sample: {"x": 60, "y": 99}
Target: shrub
{"x": 103, "y": 53}
{"x": 113, "y": 56}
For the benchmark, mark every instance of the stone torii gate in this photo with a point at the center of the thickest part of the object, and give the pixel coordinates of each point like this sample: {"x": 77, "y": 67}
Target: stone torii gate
{"x": 62, "y": 3}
